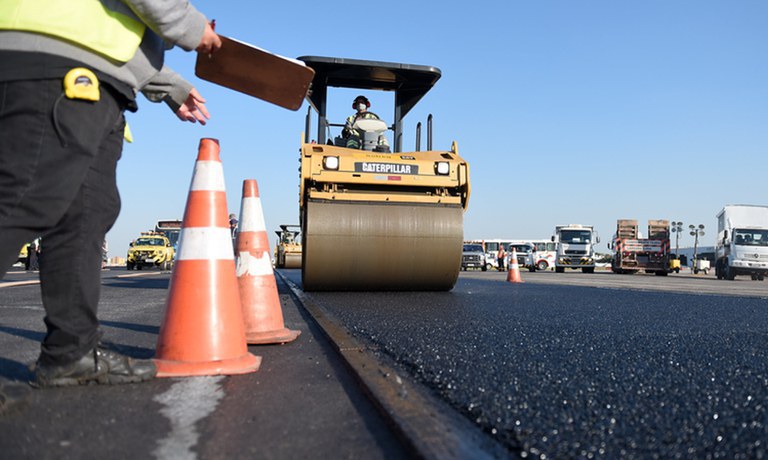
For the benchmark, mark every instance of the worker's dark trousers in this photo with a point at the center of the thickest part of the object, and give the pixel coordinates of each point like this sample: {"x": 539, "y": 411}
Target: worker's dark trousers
{"x": 58, "y": 159}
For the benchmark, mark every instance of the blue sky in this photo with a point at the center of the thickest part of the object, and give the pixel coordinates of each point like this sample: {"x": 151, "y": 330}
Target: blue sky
{"x": 567, "y": 111}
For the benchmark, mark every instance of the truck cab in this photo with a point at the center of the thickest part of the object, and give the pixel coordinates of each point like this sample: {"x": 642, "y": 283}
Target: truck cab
{"x": 473, "y": 256}
{"x": 742, "y": 242}
{"x": 575, "y": 247}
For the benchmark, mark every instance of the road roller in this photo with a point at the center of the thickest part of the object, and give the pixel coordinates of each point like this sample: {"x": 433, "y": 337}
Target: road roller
{"x": 288, "y": 248}
{"x": 373, "y": 217}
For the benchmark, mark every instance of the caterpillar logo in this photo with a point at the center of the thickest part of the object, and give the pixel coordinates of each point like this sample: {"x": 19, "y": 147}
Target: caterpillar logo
{"x": 386, "y": 168}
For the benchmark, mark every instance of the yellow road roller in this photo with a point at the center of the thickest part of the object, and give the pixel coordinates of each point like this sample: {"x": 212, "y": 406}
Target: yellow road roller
{"x": 288, "y": 249}
{"x": 373, "y": 217}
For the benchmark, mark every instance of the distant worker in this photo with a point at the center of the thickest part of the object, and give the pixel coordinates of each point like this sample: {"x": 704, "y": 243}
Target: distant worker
{"x": 501, "y": 258}
{"x": 33, "y": 255}
{"x": 361, "y": 104}
{"x": 104, "y": 252}
{"x": 233, "y": 225}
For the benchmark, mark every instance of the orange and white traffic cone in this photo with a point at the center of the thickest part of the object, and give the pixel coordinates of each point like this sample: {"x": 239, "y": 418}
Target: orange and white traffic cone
{"x": 203, "y": 333}
{"x": 258, "y": 290}
{"x": 513, "y": 274}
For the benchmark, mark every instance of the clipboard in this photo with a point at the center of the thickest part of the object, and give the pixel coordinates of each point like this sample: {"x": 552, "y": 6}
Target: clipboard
{"x": 256, "y": 72}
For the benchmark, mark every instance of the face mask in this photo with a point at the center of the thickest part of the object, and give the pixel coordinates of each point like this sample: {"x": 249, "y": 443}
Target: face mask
{"x": 361, "y": 107}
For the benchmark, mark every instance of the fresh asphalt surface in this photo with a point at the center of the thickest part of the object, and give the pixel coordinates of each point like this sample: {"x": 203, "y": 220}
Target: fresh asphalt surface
{"x": 552, "y": 367}
{"x": 557, "y": 371}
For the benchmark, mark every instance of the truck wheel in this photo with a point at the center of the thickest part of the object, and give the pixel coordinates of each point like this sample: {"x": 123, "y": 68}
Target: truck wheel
{"x": 542, "y": 265}
{"x": 559, "y": 269}
{"x": 129, "y": 266}
{"x": 484, "y": 268}
{"x": 677, "y": 270}
{"x": 729, "y": 275}
{"x": 760, "y": 277}
{"x": 588, "y": 270}
{"x": 695, "y": 271}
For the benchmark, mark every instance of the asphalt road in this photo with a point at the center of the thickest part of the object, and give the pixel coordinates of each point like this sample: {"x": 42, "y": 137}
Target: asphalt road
{"x": 560, "y": 366}
{"x": 557, "y": 367}
{"x": 301, "y": 403}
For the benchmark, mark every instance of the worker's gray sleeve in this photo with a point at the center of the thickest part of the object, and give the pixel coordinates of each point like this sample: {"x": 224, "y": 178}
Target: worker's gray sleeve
{"x": 169, "y": 87}
{"x": 176, "y": 21}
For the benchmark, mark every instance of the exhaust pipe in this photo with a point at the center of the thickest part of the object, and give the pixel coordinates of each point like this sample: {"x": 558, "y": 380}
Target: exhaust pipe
{"x": 429, "y": 132}
{"x": 418, "y": 136}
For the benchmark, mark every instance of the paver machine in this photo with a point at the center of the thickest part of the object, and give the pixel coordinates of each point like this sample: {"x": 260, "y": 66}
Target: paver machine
{"x": 374, "y": 220}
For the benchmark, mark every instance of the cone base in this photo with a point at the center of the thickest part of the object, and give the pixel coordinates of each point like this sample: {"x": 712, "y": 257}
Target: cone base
{"x": 242, "y": 365}
{"x": 283, "y": 335}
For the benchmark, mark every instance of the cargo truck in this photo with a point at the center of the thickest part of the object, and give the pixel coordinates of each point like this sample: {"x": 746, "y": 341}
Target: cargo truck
{"x": 575, "y": 247}
{"x": 632, "y": 253}
{"x": 742, "y": 242}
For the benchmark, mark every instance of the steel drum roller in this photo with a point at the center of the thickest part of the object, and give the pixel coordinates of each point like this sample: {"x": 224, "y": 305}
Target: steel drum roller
{"x": 381, "y": 246}
{"x": 292, "y": 261}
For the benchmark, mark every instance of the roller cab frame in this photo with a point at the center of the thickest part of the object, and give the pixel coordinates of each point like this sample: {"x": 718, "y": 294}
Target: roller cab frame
{"x": 372, "y": 220}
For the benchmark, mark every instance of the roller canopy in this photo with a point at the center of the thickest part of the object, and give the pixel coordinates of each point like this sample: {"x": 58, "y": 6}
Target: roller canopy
{"x": 409, "y": 82}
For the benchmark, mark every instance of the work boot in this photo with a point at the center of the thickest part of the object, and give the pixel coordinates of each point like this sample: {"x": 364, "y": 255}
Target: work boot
{"x": 97, "y": 366}
{"x": 12, "y": 395}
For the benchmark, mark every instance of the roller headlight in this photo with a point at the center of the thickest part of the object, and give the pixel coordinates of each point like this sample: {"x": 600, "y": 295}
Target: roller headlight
{"x": 331, "y": 163}
{"x": 442, "y": 168}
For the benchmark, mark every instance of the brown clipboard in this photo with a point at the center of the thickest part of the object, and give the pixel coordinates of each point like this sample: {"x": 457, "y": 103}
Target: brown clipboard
{"x": 256, "y": 72}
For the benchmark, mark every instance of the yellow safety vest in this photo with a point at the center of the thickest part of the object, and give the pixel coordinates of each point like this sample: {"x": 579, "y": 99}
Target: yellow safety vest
{"x": 85, "y": 22}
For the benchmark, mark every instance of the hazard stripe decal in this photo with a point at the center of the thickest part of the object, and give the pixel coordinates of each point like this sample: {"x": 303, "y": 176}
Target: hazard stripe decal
{"x": 205, "y": 243}
{"x": 249, "y": 265}
{"x": 208, "y": 175}
{"x": 252, "y": 215}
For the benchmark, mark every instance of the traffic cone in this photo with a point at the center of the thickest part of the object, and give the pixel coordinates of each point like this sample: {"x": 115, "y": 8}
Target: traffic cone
{"x": 513, "y": 274}
{"x": 203, "y": 333}
{"x": 258, "y": 290}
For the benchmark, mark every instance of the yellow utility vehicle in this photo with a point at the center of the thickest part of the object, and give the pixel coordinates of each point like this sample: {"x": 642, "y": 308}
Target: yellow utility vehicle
{"x": 24, "y": 255}
{"x": 151, "y": 250}
{"x": 288, "y": 248}
{"x": 674, "y": 265}
{"x": 370, "y": 219}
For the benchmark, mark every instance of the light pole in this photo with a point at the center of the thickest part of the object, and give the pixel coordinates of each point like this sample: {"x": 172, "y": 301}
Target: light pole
{"x": 677, "y": 228}
{"x": 696, "y": 232}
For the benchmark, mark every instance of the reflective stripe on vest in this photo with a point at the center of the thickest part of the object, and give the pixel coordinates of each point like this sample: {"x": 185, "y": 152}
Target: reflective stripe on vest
{"x": 85, "y": 22}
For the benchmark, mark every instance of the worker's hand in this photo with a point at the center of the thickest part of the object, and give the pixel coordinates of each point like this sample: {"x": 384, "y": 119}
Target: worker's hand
{"x": 210, "y": 41}
{"x": 193, "y": 109}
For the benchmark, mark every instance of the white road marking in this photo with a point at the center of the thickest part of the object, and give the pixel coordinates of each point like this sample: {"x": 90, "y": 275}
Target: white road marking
{"x": 186, "y": 403}
{"x": 19, "y": 283}
{"x": 133, "y": 275}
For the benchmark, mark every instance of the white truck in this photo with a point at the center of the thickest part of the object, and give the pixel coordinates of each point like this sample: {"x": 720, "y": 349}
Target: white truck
{"x": 742, "y": 242}
{"x": 575, "y": 247}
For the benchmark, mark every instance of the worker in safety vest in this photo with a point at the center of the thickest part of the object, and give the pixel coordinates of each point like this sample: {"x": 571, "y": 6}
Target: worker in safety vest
{"x": 70, "y": 70}
{"x": 361, "y": 104}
